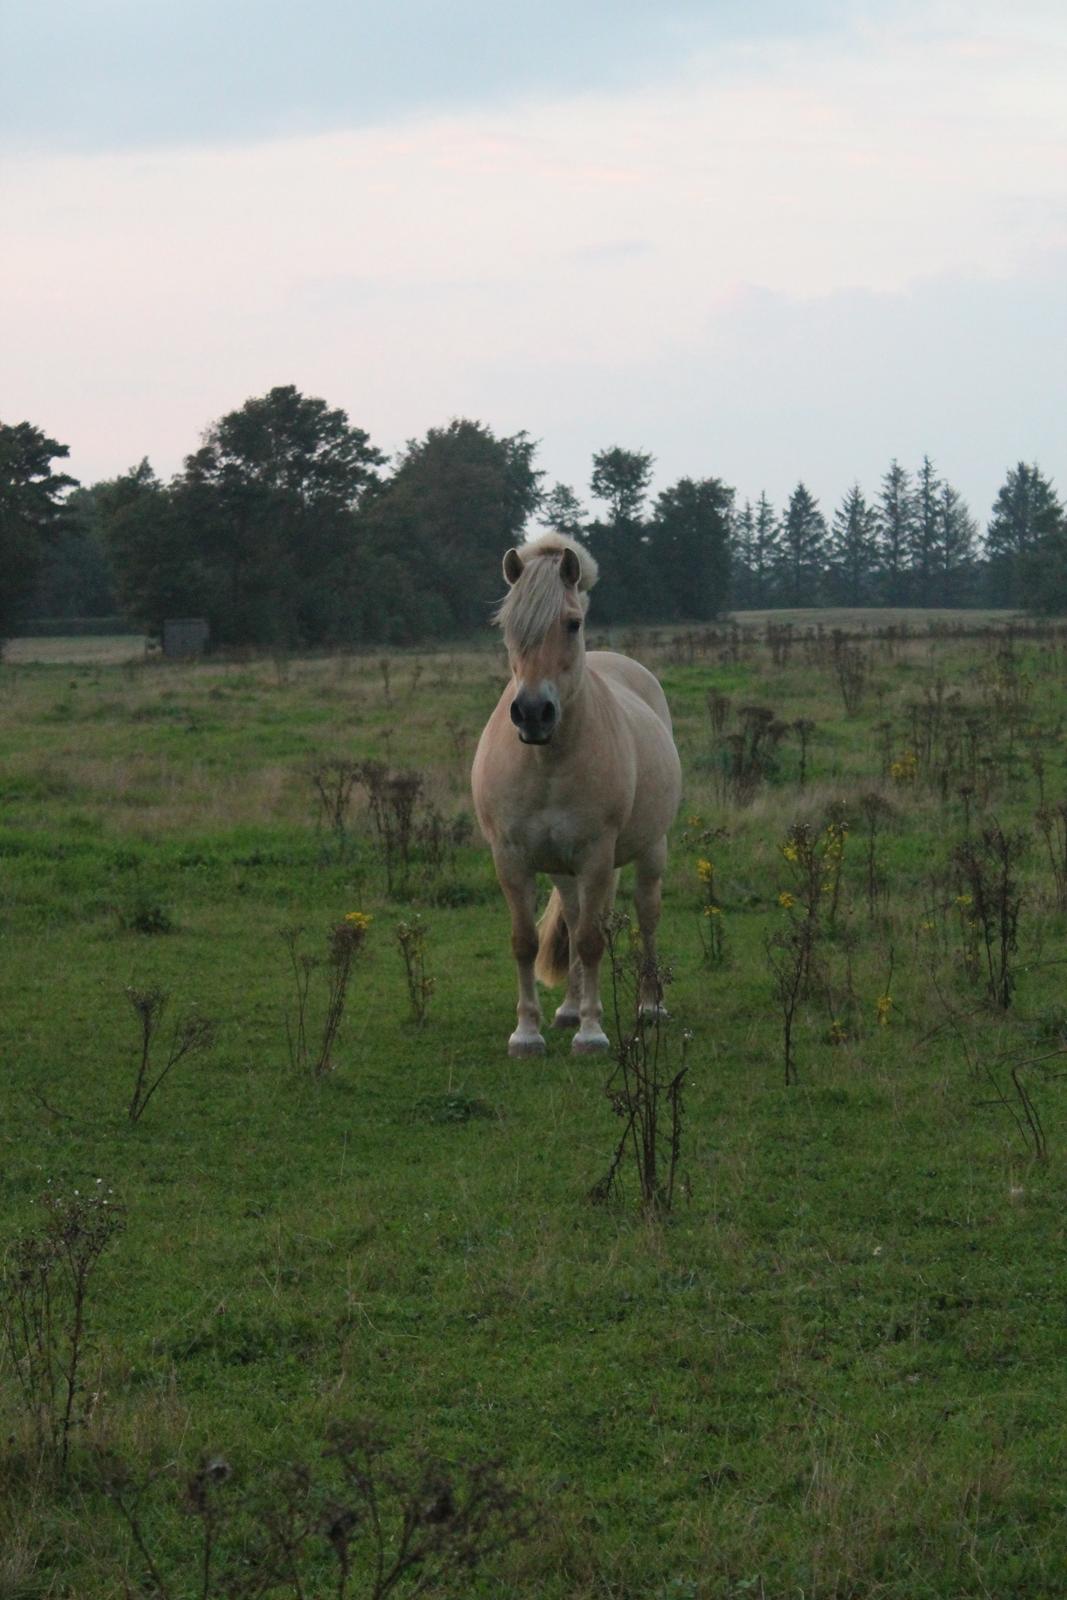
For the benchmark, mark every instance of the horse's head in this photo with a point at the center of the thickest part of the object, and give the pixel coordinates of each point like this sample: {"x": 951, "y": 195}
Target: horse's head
{"x": 542, "y": 618}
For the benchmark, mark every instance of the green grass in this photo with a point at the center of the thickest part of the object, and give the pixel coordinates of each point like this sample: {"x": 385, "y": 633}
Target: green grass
{"x": 834, "y": 1371}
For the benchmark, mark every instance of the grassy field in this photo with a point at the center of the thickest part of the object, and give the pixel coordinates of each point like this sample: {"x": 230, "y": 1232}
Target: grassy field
{"x": 835, "y": 1369}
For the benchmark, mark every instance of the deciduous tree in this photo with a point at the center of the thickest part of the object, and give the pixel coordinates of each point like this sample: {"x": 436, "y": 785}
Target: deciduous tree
{"x": 32, "y": 509}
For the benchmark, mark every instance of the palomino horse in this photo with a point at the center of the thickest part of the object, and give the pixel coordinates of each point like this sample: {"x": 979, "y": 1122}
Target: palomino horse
{"x": 576, "y": 774}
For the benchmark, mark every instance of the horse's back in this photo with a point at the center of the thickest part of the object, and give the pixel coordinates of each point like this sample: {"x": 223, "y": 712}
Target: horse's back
{"x": 657, "y": 773}
{"x": 632, "y": 675}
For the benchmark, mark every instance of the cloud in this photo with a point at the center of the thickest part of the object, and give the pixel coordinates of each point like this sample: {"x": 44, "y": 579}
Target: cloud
{"x": 775, "y": 264}
{"x": 90, "y": 75}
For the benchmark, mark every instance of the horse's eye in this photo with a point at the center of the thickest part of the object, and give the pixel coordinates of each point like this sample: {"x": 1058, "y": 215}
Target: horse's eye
{"x": 574, "y": 625}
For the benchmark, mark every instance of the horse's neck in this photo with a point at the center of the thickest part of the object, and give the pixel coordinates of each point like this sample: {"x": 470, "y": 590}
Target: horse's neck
{"x": 580, "y": 709}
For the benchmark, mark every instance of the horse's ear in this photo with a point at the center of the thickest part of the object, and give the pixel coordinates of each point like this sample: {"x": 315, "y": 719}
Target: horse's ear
{"x": 570, "y": 567}
{"x": 513, "y": 566}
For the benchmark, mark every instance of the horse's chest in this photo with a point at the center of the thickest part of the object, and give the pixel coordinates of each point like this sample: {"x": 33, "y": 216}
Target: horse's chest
{"x": 552, "y": 839}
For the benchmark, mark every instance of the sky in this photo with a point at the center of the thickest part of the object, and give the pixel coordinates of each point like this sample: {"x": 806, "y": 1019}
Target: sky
{"x": 767, "y": 242}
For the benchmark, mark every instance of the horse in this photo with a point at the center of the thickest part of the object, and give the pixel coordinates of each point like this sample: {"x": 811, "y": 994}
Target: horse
{"x": 576, "y": 775}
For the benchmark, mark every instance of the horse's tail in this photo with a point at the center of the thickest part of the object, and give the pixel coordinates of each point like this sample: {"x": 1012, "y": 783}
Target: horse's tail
{"x": 554, "y": 945}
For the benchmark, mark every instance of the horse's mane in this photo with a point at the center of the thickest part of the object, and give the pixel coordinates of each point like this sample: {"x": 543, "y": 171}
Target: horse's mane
{"x": 534, "y": 601}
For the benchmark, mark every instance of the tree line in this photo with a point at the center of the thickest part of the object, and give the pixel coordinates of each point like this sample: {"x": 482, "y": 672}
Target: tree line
{"x": 287, "y": 527}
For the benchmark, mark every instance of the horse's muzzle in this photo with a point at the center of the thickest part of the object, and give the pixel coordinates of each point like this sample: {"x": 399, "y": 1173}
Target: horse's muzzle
{"x": 535, "y": 716}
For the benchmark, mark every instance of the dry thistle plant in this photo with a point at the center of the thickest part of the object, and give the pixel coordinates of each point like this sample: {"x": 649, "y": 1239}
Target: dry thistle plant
{"x": 333, "y": 780}
{"x": 308, "y": 1055}
{"x": 990, "y": 899}
{"x": 815, "y": 860}
{"x": 645, "y": 1087}
{"x": 44, "y": 1299}
{"x": 393, "y": 799}
{"x": 851, "y": 669}
{"x": 376, "y": 1528}
{"x": 1052, "y": 821}
{"x": 411, "y": 938}
{"x": 190, "y": 1035}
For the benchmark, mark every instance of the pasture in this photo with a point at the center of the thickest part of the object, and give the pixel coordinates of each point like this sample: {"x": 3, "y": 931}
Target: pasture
{"x": 834, "y": 1368}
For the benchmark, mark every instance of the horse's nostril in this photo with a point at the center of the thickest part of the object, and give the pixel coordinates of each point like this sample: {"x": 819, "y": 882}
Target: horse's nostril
{"x": 548, "y": 712}
{"x": 516, "y": 714}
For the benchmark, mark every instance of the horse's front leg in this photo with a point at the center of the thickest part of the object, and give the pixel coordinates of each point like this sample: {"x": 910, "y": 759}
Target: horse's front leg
{"x": 520, "y": 891}
{"x": 596, "y": 888}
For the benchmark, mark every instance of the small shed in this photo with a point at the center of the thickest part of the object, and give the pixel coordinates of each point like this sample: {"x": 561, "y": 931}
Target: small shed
{"x": 185, "y": 636}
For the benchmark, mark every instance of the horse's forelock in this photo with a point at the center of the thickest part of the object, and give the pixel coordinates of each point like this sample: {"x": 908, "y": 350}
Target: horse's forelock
{"x": 533, "y": 604}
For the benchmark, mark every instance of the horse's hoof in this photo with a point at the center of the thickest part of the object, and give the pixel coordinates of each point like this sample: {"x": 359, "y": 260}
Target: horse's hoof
{"x": 565, "y": 1018}
{"x": 589, "y": 1044}
{"x": 526, "y": 1044}
{"x": 654, "y": 1013}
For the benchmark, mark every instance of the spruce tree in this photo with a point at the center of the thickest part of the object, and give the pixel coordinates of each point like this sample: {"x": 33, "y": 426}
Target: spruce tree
{"x": 1026, "y": 512}
{"x": 766, "y": 551}
{"x": 924, "y": 535}
{"x": 953, "y": 578}
{"x": 802, "y": 553}
{"x": 852, "y": 551}
{"x": 896, "y": 515}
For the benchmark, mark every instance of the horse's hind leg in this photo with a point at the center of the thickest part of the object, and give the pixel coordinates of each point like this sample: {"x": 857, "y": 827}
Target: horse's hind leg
{"x": 568, "y": 1014}
{"x": 595, "y": 893}
{"x": 648, "y": 900}
{"x": 520, "y": 893}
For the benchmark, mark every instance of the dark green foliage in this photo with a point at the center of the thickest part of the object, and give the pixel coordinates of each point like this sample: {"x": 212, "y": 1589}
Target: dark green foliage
{"x": 802, "y": 551}
{"x": 851, "y": 551}
{"x": 689, "y": 543}
{"x": 257, "y": 534}
{"x": 562, "y": 511}
{"x": 756, "y": 557}
{"x": 457, "y": 499}
{"x": 953, "y": 577}
{"x": 32, "y": 510}
{"x": 74, "y": 578}
{"x": 622, "y": 478}
{"x": 1025, "y": 540}
{"x": 629, "y": 587}
{"x": 896, "y": 522}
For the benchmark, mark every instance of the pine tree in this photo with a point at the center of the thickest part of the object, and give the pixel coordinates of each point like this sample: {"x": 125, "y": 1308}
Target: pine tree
{"x": 802, "y": 554}
{"x": 755, "y": 555}
{"x": 741, "y": 556}
{"x": 953, "y": 578}
{"x": 852, "y": 551}
{"x": 896, "y": 515}
{"x": 924, "y": 535}
{"x": 1026, "y": 513}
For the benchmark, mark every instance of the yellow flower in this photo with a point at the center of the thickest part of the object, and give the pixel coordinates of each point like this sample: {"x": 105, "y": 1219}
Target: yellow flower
{"x": 786, "y": 900}
{"x": 926, "y": 927}
{"x": 358, "y": 919}
{"x": 883, "y": 1006}
{"x": 695, "y": 822}
{"x": 713, "y": 911}
{"x": 705, "y": 871}
{"x": 963, "y": 900}
{"x": 790, "y": 852}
